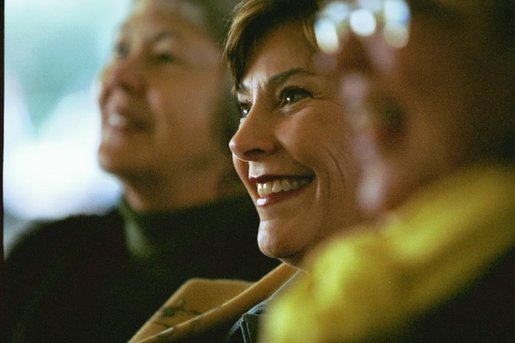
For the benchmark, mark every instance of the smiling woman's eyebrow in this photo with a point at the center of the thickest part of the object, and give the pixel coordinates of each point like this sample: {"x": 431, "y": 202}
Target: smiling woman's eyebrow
{"x": 164, "y": 35}
{"x": 281, "y": 78}
{"x": 278, "y": 79}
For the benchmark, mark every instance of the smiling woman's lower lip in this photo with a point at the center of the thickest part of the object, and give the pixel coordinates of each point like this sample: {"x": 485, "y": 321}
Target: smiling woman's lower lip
{"x": 278, "y": 197}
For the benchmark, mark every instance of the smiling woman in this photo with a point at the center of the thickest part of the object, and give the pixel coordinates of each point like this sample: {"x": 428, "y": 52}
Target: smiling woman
{"x": 303, "y": 191}
{"x": 144, "y": 109}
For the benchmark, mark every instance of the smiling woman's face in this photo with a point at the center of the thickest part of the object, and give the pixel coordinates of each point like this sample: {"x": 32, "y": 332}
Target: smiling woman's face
{"x": 292, "y": 147}
{"x": 160, "y": 94}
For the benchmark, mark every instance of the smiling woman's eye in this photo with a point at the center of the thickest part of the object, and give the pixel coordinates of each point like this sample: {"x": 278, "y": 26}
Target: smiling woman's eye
{"x": 292, "y": 95}
{"x": 244, "y": 109}
{"x": 121, "y": 49}
{"x": 165, "y": 57}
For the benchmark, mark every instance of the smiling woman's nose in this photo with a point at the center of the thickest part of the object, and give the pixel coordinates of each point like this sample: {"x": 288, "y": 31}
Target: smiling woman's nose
{"x": 125, "y": 74}
{"x": 253, "y": 140}
{"x": 354, "y": 57}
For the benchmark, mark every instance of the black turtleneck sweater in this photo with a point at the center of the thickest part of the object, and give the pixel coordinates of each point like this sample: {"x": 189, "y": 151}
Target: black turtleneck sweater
{"x": 98, "y": 278}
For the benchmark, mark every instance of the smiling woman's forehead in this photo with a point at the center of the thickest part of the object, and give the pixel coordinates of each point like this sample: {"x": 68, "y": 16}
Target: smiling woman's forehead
{"x": 191, "y": 12}
{"x": 158, "y": 20}
{"x": 161, "y": 28}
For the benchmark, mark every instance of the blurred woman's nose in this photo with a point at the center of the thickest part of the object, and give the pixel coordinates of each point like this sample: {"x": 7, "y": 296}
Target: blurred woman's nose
{"x": 351, "y": 55}
{"x": 254, "y": 139}
{"x": 126, "y": 74}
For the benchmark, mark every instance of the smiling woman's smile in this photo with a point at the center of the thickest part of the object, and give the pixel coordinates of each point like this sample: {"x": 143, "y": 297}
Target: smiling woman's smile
{"x": 279, "y": 188}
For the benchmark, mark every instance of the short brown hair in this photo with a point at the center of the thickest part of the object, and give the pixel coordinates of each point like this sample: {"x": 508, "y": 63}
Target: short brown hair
{"x": 253, "y": 19}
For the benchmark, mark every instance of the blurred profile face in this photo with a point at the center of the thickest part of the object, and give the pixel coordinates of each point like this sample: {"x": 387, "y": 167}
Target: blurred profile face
{"x": 160, "y": 94}
{"x": 292, "y": 149}
{"x": 421, "y": 110}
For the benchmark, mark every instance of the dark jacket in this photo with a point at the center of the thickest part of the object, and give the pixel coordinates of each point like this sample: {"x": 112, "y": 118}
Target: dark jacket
{"x": 97, "y": 278}
{"x": 483, "y": 312}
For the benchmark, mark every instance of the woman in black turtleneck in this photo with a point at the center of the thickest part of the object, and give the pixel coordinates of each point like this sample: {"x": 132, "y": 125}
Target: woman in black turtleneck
{"x": 166, "y": 120}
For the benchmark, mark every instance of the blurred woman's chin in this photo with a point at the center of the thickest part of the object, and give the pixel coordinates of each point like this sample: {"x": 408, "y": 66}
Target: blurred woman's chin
{"x": 110, "y": 162}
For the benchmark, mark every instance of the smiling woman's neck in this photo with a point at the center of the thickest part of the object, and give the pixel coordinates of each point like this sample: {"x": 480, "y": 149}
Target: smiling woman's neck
{"x": 155, "y": 193}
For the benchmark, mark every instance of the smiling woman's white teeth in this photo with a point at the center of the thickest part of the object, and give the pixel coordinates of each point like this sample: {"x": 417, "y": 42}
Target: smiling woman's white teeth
{"x": 277, "y": 187}
{"x": 282, "y": 185}
{"x": 116, "y": 119}
{"x": 264, "y": 188}
{"x": 286, "y": 186}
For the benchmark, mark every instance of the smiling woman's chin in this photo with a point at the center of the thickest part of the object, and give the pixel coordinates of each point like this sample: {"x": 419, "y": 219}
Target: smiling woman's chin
{"x": 113, "y": 161}
{"x": 104, "y": 158}
{"x": 281, "y": 248}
